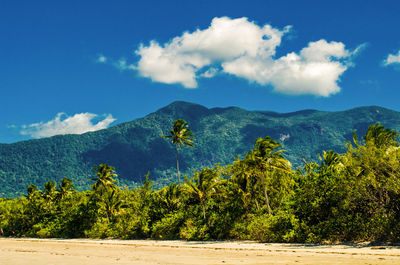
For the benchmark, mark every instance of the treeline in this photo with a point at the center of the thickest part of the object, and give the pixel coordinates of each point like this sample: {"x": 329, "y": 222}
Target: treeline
{"x": 354, "y": 196}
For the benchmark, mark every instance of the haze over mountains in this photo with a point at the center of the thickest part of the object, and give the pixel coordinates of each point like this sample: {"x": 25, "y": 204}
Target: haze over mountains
{"x": 135, "y": 148}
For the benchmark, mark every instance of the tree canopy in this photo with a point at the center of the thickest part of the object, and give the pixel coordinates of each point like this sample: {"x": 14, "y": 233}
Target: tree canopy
{"x": 349, "y": 196}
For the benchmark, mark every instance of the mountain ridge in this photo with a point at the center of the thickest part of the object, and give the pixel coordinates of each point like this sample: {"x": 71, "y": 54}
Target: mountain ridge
{"x": 135, "y": 147}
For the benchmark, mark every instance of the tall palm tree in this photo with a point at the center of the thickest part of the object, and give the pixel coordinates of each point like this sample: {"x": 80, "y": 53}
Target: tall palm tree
{"x": 265, "y": 159}
{"x": 180, "y": 135}
{"x": 105, "y": 178}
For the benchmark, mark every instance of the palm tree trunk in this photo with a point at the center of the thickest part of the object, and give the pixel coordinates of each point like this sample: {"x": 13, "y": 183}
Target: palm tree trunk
{"x": 177, "y": 163}
{"x": 265, "y": 193}
{"x": 204, "y": 209}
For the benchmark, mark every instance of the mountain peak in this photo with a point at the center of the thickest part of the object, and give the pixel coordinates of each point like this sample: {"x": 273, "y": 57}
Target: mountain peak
{"x": 181, "y": 105}
{"x": 184, "y": 110}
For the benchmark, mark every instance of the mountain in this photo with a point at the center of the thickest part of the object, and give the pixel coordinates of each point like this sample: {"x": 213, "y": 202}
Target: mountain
{"x": 135, "y": 148}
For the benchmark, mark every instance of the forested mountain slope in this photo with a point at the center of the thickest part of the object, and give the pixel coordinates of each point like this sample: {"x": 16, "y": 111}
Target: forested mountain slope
{"x": 135, "y": 148}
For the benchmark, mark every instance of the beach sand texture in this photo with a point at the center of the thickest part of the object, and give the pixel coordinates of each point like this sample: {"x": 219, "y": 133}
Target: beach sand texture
{"x": 87, "y": 251}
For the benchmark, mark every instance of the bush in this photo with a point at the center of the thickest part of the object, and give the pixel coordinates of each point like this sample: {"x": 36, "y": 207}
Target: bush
{"x": 98, "y": 230}
{"x": 240, "y": 230}
{"x": 194, "y": 230}
{"x": 280, "y": 227}
{"x": 168, "y": 227}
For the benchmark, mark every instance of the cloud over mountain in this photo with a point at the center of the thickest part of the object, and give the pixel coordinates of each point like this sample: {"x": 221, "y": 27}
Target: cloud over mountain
{"x": 241, "y": 48}
{"x": 64, "y": 124}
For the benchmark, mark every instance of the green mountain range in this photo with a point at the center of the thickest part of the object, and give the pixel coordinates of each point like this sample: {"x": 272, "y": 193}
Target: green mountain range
{"x": 135, "y": 148}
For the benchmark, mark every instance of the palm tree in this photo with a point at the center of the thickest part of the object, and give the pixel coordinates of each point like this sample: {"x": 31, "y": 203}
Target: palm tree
{"x": 376, "y": 162}
{"x": 265, "y": 159}
{"x": 170, "y": 197}
{"x": 112, "y": 205}
{"x": 203, "y": 186}
{"x": 32, "y": 189}
{"x": 379, "y": 136}
{"x": 241, "y": 179}
{"x": 330, "y": 162}
{"x": 65, "y": 187}
{"x": 104, "y": 180}
{"x": 50, "y": 192}
{"x": 180, "y": 135}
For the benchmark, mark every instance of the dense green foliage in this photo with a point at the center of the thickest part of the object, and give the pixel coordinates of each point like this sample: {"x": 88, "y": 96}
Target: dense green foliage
{"x": 349, "y": 196}
{"x": 136, "y": 148}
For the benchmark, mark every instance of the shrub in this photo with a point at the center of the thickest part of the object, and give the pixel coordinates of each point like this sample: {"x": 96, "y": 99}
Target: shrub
{"x": 280, "y": 227}
{"x": 168, "y": 227}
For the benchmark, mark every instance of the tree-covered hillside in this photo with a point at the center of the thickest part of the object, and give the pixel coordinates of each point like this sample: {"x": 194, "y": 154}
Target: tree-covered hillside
{"x": 135, "y": 148}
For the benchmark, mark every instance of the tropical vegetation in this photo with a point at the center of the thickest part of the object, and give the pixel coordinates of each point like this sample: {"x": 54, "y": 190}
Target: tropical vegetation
{"x": 349, "y": 196}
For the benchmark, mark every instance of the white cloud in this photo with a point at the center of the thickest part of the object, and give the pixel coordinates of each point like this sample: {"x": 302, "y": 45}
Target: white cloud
{"x": 101, "y": 59}
{"x": 241, "y": 48}
{"x": 392, "y": 59}
{"x": 313, "y": 71}
{"x": 64, "y": 124}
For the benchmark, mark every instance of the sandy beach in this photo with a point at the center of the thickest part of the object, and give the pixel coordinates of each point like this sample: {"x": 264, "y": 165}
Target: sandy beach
{"x": 86, "y": 251}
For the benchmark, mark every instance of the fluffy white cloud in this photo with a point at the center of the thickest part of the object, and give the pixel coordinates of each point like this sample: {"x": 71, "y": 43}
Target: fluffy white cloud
{"x": 240, "y": 47}
{"x": 63, "y": 124}
{"x": 392, "y": 59}
{"x": 313, "y": 71}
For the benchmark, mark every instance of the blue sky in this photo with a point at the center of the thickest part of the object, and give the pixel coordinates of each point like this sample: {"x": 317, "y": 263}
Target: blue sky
{"x": 75, "y": 66}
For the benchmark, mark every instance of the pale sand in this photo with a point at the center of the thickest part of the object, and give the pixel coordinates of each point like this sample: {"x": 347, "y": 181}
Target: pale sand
{"x": 85, "y": 251}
